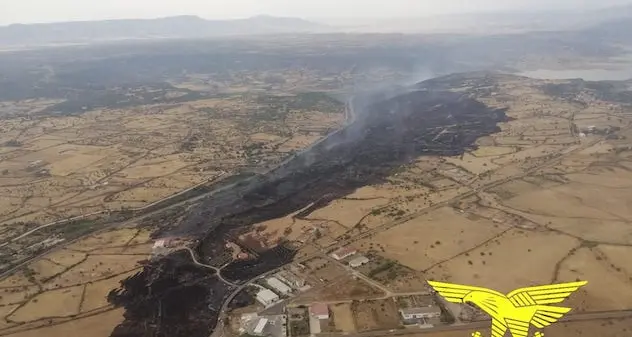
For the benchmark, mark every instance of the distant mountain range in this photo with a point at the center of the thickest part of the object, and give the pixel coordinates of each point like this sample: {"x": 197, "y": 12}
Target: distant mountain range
{"x": 613, "y": 23}
{"x": 502, "y": 22}
{"x": 170, "y": 27}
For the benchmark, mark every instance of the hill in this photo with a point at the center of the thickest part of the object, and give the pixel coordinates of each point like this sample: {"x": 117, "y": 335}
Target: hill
{"x": 169, "y": 27}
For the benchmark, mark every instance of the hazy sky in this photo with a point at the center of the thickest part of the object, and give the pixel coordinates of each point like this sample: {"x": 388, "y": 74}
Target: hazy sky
{"x": 29, "y": 11}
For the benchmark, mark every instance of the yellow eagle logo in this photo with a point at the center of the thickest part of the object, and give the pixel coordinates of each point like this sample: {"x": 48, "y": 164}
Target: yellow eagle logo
{"x": 515, "y": 311}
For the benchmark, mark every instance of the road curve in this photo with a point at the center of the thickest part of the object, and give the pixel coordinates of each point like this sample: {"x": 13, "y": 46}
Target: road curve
{"x": 217, "y": 271}
{"x": 223, "y": 311}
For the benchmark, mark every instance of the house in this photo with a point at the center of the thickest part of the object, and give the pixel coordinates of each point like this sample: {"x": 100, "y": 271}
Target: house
{"x": 410, "y": 314}
{"x": 267, "y": 297}
{"x": 343, "y": 253}
{"x": 319, "y": 311}
{"x": 358, "y": 261}
{"x": 279, "y": 286}
{"x": 258, "y": 330}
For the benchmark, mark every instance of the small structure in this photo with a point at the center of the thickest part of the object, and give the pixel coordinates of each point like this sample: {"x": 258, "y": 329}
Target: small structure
{"x": 166, "y": 242}
{"x": 319, "y": 311}
{"x": 160, "y": 244}
{"x": 258, "y": 330}
{"x": 343, "y": 252}
{"x": 290, "y": 279}
{"x": 279, "y": 286}
{"x": 267, "y": 297}
{"x": 358, "y": 261}
{"x": 35, "y": 163}
{"x": 412, "y": 314}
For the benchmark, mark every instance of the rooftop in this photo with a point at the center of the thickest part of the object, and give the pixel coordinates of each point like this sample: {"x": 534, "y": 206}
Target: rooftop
{"x": 318, "y": 309}
{"x": 261, "y": 325}
{"x": 420, "y": 310}
{"x": 359, "y": 260}
{"x": 278, "y": 285}
{"x": 267, "y": 295}
{"x": 345, "y": 251}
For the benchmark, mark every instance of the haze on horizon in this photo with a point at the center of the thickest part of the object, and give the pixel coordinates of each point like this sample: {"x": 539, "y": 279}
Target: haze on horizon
{"x": 40, "y": 11}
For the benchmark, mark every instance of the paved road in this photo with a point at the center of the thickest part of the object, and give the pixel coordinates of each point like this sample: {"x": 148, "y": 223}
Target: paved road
{"x": 387, "y": 292}
{"x": 389, "y": 225}
{"x": 217, "y": 271}
{"x": 349, "y": 118}
{"x": 104, "y": 228}
{"x": 480, "y": 325}
{"x": 79, "y": 217}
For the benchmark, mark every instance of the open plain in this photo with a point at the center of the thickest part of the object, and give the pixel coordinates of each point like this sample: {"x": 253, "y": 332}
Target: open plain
{"x": 185, "y": 179}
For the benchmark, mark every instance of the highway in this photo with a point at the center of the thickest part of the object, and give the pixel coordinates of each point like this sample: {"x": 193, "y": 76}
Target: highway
{"x": 84, "y": 216}
{"x": 349, "y": 118}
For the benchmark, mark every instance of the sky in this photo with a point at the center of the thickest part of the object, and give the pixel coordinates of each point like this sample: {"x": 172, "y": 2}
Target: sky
{"x": 33, "y": 11}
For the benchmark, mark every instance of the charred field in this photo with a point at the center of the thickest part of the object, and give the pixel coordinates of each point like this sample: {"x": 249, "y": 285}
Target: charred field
{"x": 173, "y": 296}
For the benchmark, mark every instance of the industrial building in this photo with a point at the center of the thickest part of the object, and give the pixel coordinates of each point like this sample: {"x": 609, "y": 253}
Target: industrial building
{"x": 267, "y": 297}
{"x": 358, "y": 261}
{"x": 412, "y": 314}
{"x": 258, "y": 330}
{"x": 290, "y": 279}
{"x": 279, "y": 286}
{"x": 269, "y": 325}
{"x": 343, "y": 252}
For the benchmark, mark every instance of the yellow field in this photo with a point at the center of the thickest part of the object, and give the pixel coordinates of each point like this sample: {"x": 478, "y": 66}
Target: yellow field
{"x": 452, "y": 234}
{"x": 54, "y": 303}
{"x": 79, "y": 291}
{"x": 343, "y": 317}
{"x": 114, "y": 158}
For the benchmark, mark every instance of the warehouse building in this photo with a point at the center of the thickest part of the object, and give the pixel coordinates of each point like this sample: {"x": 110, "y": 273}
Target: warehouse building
{"x": 343, "y": 253}
{"x": 279, "y": 286}
{"x": 358, "y": 261}
{"x": 267, "y": 297}
{"x": 258, "y": 330}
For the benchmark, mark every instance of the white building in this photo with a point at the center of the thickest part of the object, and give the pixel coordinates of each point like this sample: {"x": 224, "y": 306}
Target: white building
{"x": 258, "y": 330}
{"x": 279, "y": 286}
{"x": 267, "y": 297}
{"x": 160, "y": 244}
{"x": 290, "y": 279}
{"x": 358, "y": 261}
{"x": 343, "y": 253}
{"x": 409, "y": 314}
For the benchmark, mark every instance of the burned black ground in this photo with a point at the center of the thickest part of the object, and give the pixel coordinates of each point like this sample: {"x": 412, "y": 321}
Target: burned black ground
{"x": 383, "y": 136}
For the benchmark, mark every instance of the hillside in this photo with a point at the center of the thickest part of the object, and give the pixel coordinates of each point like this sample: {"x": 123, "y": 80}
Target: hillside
{"x": 169, "y": 27}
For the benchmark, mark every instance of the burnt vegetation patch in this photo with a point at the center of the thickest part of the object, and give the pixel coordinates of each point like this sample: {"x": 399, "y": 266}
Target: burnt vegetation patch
{"x": 169, "y": 297}
{"x": 383, "y": 136}
{"x": 386, "y": 133}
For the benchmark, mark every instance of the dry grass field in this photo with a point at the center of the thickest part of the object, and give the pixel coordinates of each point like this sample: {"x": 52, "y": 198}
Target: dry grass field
{"x": 343, "y": 317}
{"x": 341, "y": 289}
{"x": 376, "y": 315}
{"x": 61, "y": 166}
{"x": 65, "y": 291}
{"x": 535, "y": 203}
